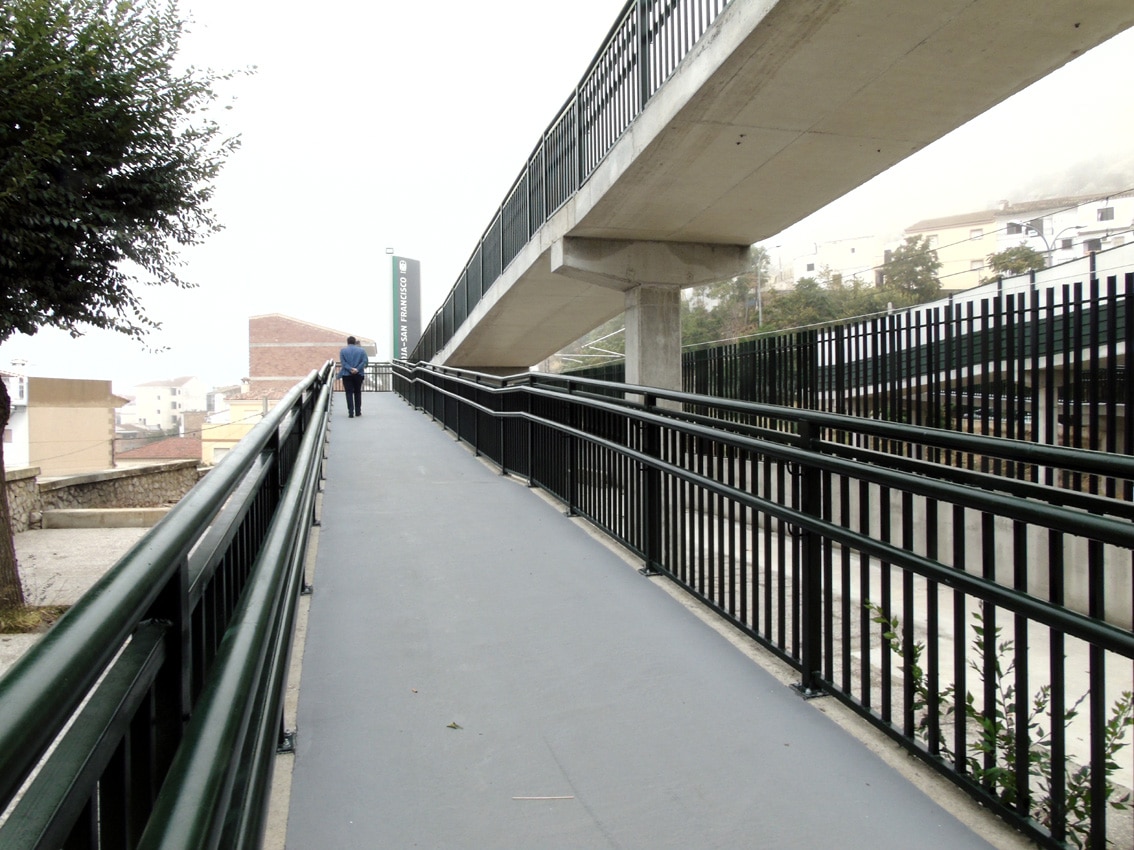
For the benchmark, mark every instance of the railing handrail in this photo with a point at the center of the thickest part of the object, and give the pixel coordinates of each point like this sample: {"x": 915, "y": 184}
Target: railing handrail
{"x": 652, "y": 70}
{"x": 1087, "y": 461}
{"x": 196, "y": 796}
{"x": 151, "y": 582}
{"x": 1114, "y": 530}
{"x": 825, "y": 549}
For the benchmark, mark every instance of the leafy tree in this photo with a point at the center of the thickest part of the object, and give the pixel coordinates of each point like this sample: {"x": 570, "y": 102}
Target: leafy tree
{"x": 809, "y": 303}
{"x": 910, "y": 273}
{"x": 107, "y": 160}
{"x": 701, "y": 321}
{"x": 727, "y": 309}
{"x": 826, "y": 298}
{"x": 1019, "y": 259}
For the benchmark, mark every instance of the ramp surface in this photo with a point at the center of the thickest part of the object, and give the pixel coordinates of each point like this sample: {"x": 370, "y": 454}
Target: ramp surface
{"x": 480, "y": 672}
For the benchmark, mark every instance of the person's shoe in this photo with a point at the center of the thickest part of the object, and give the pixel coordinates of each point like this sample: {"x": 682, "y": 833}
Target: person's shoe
{"x": 359, "y": 413}
{"x": 350, "y": 416}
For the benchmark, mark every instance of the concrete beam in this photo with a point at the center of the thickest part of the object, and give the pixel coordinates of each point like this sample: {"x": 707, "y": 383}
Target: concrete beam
{"x": 623, "y": 265}
{"x": 652, "y": 274}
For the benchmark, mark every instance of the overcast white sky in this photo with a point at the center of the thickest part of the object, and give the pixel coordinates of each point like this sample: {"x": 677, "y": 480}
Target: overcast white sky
{"x": 402, "y": 125}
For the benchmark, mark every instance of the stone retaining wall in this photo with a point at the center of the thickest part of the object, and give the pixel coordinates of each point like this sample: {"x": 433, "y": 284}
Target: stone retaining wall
{"x": 135, "y": 487}
{"x": 23, "y": 496}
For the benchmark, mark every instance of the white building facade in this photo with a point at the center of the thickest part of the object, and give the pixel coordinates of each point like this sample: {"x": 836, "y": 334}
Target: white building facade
{"x": 1064, "y": 229}
{"x": 16, "y": 435}
{"x": 160, "y": 405}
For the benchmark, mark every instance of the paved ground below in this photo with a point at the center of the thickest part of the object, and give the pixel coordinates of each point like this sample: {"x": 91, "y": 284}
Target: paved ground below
{"x": 57, "y": 566}
{"x": 480, "y": 671}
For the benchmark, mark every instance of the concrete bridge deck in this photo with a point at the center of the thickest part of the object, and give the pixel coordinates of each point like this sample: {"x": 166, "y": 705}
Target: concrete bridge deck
{"x": 482, "y": 672}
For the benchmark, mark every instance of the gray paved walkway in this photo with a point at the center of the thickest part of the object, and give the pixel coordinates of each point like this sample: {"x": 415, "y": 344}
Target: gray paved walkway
{"x": 481, "y": 673}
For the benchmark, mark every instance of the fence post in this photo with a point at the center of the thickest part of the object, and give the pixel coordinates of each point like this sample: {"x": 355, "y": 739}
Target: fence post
{"x": 478, "y": 397}
{"x": 651, "y": 497}
{"x": 811, "y": 550}
{"x": 643, "y": 26}
{"x": 572, "y": 450}
{"x": 501, "y": 432}
{"x": 529, "y": 396}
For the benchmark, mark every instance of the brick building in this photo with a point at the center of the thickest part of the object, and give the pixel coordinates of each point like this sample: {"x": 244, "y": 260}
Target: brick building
{"x": 282, "y": 351}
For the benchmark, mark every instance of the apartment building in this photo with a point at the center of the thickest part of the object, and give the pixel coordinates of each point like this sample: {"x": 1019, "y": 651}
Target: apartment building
{"x": 853, "y": 257}
{"x": 1061, "y": 229}
{"x": 161, "y": 405}
{"x": 63, "y": 426}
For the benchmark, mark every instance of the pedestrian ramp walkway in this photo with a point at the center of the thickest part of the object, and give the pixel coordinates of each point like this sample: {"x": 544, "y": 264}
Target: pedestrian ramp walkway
{"x": 481, "y": 671}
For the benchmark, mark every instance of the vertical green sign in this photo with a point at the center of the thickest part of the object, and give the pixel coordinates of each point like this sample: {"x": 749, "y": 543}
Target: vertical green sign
{"x": 406, "y": 286}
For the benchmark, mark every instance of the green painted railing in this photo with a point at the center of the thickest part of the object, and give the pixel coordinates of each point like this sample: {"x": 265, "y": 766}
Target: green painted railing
{"x": 149, "y": 715}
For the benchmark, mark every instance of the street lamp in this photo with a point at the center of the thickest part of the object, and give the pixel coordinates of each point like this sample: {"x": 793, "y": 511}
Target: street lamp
{"x": 1038, "y": 231}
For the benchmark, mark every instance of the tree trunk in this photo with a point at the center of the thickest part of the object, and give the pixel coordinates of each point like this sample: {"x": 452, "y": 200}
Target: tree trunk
{"x": 11, "y": 589}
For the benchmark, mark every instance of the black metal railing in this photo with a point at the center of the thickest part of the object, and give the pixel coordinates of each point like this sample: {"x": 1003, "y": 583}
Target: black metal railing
{"x": 378, "y": 379}
{"x": 642, "y": 50}
{"x": 982, "y": 620}
{"x": 156, "y": 702}
{"x": 1044, "y": 364}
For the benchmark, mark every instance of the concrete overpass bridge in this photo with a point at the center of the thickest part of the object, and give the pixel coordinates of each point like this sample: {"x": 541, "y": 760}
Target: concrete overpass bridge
{"x": 704, "y": 126}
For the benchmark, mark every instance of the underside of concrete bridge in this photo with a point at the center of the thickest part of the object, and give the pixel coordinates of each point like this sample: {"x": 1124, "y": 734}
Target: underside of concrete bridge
{"x": 780, "y": 109}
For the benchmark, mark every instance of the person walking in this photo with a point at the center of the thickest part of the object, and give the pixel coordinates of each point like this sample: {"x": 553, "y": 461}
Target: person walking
{"x": 352, "y": 371}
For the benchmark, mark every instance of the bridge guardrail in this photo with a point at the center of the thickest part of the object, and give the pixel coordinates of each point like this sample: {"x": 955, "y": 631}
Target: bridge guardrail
{"x": 890, "y": 565}
{"x": 644, "y": 47}
{"x": 377, "y": 378}
{"x": 128, "y": 697}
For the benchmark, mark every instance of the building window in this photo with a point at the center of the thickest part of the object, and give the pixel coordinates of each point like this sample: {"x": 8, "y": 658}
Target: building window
{"x": 976, "y": 265}
{"x": 976, "y": 233}
{"x": 1014, "y": 228}
{"x": 1106, "y": 214}
{"x": 1064, "y": 244}
{"x": 1092, "y": 244}
{"x": 811, "y": 267}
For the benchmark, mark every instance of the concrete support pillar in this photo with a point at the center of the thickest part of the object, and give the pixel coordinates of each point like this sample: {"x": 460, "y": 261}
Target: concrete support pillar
{"x": 653, "y": 336}
{"x": 652, "y": 274}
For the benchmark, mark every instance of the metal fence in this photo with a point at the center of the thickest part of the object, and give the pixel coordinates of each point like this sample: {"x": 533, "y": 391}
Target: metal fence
{"x": 1043, "y": 363}
{"x": 980, "y": 619}
{"x": 150, "y": 714}
{"x": 378, "y": 379}
{"x": 642, "y": 50}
